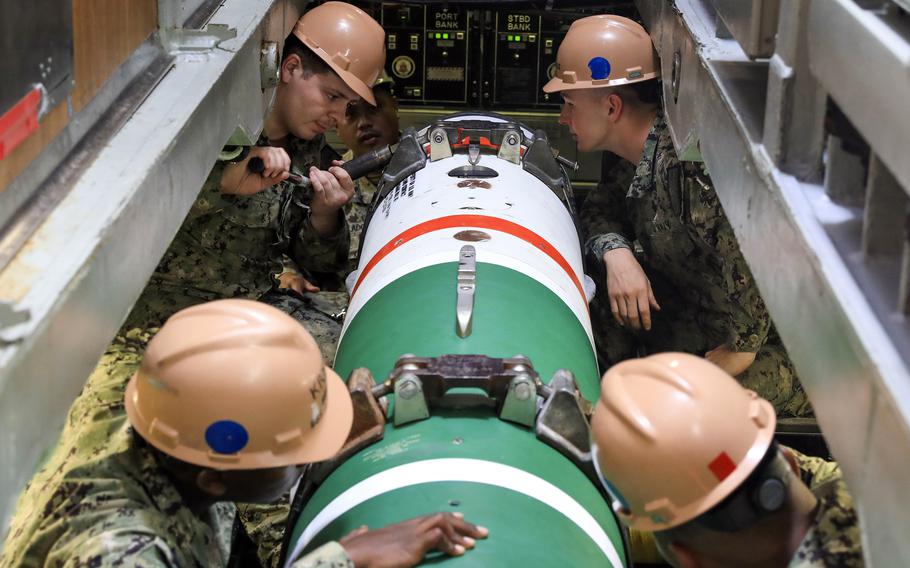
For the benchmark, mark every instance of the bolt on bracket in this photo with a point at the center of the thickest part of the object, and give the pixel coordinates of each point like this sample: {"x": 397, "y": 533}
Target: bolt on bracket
{"x": 439, "y": 145}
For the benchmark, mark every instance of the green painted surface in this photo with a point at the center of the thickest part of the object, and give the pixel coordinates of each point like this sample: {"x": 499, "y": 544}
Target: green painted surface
{"x": 513, "y": 314}
{"x": 523, "y": 531}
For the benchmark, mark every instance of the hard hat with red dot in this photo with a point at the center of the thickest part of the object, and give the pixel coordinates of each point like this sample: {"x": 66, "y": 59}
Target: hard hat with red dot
{"x": 675, "y": 435}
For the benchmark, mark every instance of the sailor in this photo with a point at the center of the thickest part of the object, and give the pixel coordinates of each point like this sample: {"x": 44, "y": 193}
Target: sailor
{"x": 231, "y": 399}
{"x": 689, "y": 454}
{"x": 688, "y": 288}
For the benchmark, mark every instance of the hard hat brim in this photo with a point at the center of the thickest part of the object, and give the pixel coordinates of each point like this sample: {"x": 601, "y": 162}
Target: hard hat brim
{"x": 556, "y": 84}
{"x": 358, "y": 86}
{"x": 362, "y": 89}
{"x": 324, "y": 440}
{"x": 744, "y": 469}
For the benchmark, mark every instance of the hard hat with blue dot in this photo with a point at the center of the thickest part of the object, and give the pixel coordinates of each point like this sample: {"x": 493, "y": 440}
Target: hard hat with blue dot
{"x": 604, "y": 51}
{"x": 238, "y": 384}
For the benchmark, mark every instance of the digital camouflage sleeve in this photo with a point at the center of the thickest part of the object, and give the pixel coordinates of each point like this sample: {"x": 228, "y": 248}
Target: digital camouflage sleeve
{"x": 672, "y": 210}
{"x": 234, "y": 246}
{"x": 101, "y": 498}
{"x": 834, "y": 536}
{"x": 602, "y": 216}
{"x": 329, "y": 555}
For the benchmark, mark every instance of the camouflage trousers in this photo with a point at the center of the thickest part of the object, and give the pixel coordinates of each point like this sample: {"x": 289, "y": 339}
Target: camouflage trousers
{"x": 678, "y": 327}
{"x": 319, "y": 313}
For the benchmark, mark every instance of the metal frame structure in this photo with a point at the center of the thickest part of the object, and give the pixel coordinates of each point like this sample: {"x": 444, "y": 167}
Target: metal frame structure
{"x": 68, "y": 288}
{"x": 834, "y": 271}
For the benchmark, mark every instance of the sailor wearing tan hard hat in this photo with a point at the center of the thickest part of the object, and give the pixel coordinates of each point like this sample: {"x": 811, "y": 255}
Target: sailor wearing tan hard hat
{"x": 687, "y": 453}
{"x": 231, "y": 399}
{"x": 688, "y": 288}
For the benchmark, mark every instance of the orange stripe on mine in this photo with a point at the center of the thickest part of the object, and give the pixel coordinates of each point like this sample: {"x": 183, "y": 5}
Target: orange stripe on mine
{"x": 475, "y": 221}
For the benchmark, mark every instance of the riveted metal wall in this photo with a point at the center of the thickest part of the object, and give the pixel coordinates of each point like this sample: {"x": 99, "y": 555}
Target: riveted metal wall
{"x": 828, "y": 258}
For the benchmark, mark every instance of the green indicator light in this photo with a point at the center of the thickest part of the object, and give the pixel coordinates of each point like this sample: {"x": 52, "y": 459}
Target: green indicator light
{"x": 445, "y": 36}
{"x": 511, "y": 38}
{"x": 438, "y": 36}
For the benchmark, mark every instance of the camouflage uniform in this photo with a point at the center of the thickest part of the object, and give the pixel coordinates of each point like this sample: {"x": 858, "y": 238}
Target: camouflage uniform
{"x": 687, "y": 248}
{"x": 265, "y": 523}
{"x": 234, "y": 246}
{"x": 355, "y": 212}
{"x": 102, "y": 500}
{"x": 333, "y": 297}
{"x": 834, "y": 536}
{"x": 228, "y": 246}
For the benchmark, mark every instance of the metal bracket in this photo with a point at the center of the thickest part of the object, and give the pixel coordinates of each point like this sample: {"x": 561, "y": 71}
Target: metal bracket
{"x": 563, "y": 423}
{"x": 205, "y": 39}
{"x": 368, "y": 427}
{"x": 540, "y": 163}
{"x": 407, "y": 159}
{"x": 465, "y": 286}
{"x": 9, "y": 317}
{"x": 268, "y": 64}
{"x": 520, "y": 405}
{"x": 473, "y": 153}
{"x": 410, "y": 401}
{"x": 440, "y": 147}
{"x": 510, "y": 148}
{"x": 421, "y": 383}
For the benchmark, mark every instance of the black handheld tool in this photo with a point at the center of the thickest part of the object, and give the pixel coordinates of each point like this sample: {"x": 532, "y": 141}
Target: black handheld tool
{"x": 356, "y": 168}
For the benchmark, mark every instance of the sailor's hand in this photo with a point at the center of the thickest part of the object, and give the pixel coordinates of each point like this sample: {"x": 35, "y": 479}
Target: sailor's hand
{"x": 733, "y": 362}
{"x": 238, "y": 180}
{"x": 631, "y": 297}
{"x": 296, "y": 282}
{"x": 405, "y": 544}
{"x": 332, "y": 189}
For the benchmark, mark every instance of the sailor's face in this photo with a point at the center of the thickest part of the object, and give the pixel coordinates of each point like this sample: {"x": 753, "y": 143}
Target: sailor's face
{"x": 315, "y": 103}
{"x": 581, "y": 112}
{"x": 260, "y": 485}
{"x": 367, "y": 127}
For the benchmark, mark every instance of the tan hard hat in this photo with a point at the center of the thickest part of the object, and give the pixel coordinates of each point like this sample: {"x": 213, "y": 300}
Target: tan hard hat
{"x": 603, "y": 51}
{"x": 238, "y": 384}
{"x": 674, "y": 436}
{"x": 349, "y": 40}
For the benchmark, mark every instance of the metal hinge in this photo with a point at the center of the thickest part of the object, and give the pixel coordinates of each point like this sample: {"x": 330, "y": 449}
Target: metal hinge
{"x": 465, "y": 287}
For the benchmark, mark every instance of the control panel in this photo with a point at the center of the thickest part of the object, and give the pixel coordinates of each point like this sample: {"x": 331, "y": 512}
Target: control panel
{"x": 428, "y": 50}
{"x": 456, "y": 55}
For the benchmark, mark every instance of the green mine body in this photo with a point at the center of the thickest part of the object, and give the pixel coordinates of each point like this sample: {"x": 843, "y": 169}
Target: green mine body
{"x": 540, "y": 508}
{"x": 524, "y": 530}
